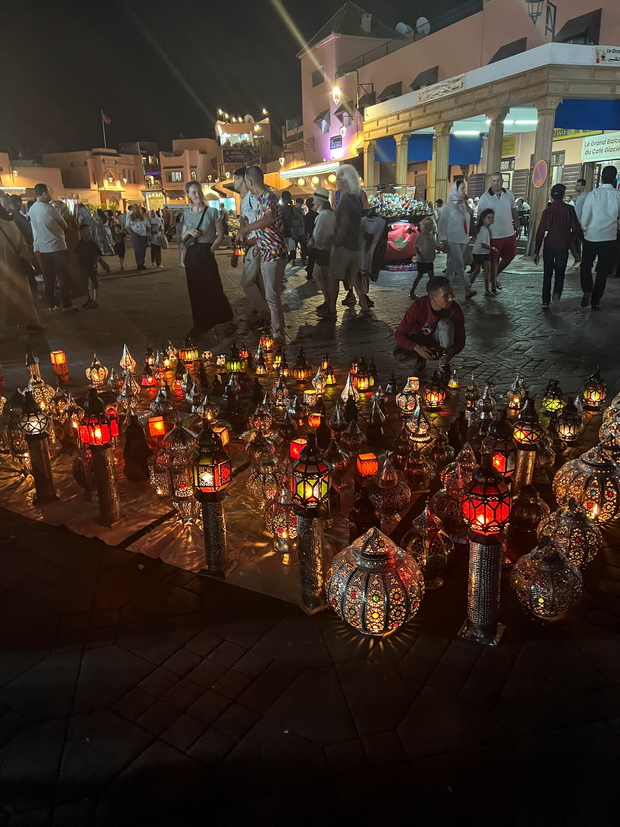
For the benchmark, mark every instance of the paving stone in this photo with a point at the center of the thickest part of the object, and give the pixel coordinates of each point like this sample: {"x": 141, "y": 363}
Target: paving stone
{"x": 236, "y": 721}
{"x": 22, "y": 620}
{"x": 118, "y": 586}
{"x": 244, "y": 623}
{"x": 161, "y": 600}
{"x": 259, "y": 696}
{"x": 209, "y": 707}
{"x": 297, "y": 641}
{"x": 212, "y": 747}
{"x": 158, "y": 717}
{"x": 26, "y": 783}
{"x": 47, "y": 690}
{"x": 278, "y": 675}
{"x": 416, "y": 666}
{"x": 159, "y": 681}
{"x": 252, "y": 664}
{"x": 203, "y": 644}
{"x": 182, "y": 661}
{"x": 347, "y": 758}
{"x": 134, "y": 703}
{"x": 183, "y": 732}
{"x": 156, "y": 640}
{"x": 206, "y": 674}
{"x": 183, "y": 694}
{"x": 105, "y": 676}
{"x": 384, "y": 749}
{"x": 227, "y": 654}
{"x": 232, "y": 684}
{"x": 458, "y": 658}
{"x": 450, "y": 680}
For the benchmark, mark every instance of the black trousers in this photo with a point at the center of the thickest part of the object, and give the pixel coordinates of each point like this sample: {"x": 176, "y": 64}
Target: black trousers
{"x": 604, "y": 252}
{"x": 554, "y": 261}
{"x": 55, "y": 267}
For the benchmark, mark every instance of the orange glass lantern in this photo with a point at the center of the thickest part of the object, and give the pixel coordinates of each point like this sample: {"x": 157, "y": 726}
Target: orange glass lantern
{"x": 148, "y": 378}
{"x": 366, "y": 466}
{"x": 266, "y": 342}
{"x": 112, "y": 414}
{"x": 96, "y": 373}
{"x": 314, "y": 419}
{"x": 212, "y": 468}
{"x": 311, "y": 480}
{"x": 58, "y": 358}
{"x": 157, "y": 430}
{"x": 296, "y": 446}
{"x": 221, "y": 429}
{"x": 594, "y": 392}
{"x": 434, "y": 394}
{"x": 94, "y": 429}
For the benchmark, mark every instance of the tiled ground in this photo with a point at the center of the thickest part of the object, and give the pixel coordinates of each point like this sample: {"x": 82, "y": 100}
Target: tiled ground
{"x": 135, "y": 693}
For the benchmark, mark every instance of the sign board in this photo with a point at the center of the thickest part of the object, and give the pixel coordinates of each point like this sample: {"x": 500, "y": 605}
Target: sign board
{"x": 509, "y": 146}
{"x": 568, "y": 134}
{"x": 601, "y": 148}
{"x": 241, "y": 155}
{"x": 506, "y": 164}
{"x": 335, "y": 142}
{"x": 539, "y": 174}
{"x": 608, "y": 55}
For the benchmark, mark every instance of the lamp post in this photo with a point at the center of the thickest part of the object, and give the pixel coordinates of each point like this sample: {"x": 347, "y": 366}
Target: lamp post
{"x": 486, "y": 507}
{"x": 527, "y": 434}
{"x": 212, "y": 474}
{"x": 33, "y": 424}
{"x": 95, "y": 432}
{"x": 311, "y": 486}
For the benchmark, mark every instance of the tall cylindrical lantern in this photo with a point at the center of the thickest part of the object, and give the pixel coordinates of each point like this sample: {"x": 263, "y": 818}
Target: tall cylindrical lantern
{"x": 311, "y": 486}
{"x": 58, "y": 358}
{"x": 486, "y": 507}
{"x": 95, "y": 432}
{"x": 212, "y": 474}
{"x": 527, "y": 434}
{"x": 34, "y": 424}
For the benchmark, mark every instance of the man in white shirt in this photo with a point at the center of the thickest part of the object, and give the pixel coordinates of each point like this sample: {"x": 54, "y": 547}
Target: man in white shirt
{"x": 251, "y": 280}
{"x": 48, "y": 230}
{"x": 581, "y": 194}
{"x": 506, "y": 224}
{"x": 600, "y": 223}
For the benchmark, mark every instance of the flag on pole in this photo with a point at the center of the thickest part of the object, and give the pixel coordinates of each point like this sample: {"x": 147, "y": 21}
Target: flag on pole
{"x": 105, "y": 118}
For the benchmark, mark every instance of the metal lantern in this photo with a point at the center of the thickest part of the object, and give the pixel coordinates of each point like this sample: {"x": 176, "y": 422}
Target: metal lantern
{"x": 593, "y": 480}
{"x": 553, "y": 399}
{"x": 569, "y": 424}
{"x": 95, "y": 433}
{"x": 458, "y": 474}
{"x": 577, "y": 537}
{"x": 149, "y": 357}
{"x": 127, "y": 361}
{"x": 409, "y": 398}
{"x": 401, "y": 448}
{"x": 352, "y": 437}
{"x": 454, "y": 382}
{"x": 262, "y": 418}
{"x": 485, "y": 406}
{"x": 266, "y": 341}
{"x": 161, "y": 405}
{"x": 516, "y": 395}
{"x": 388, "y": 493}
{"x": 430, "y": 546}
{"x": 373, "y": 585}
{"x": 376, "y": 421}
{"x": 309, "y": 397}
{"x": 95, "y": 429}
{"x": 594, "y": 392}
{"x": 301, "y": 368}
{"x": 366, "y": 466}
{"x": 212, "y": 468}
{"x": 260, "y": 365}
{"x": 337, "y": 421}
{"x": 610, "y": 429}
{"x": 419, "y": 426}
{"x": 42, "y": 393}
{"x": 528, "y": 510}
{"x": 350, "y": 391}
{"x": 361, "y": 380}
{"x": 233, "y": 361}
{"x": 296, "y": 446}
{"x": 319, "y": 382}
{"x": 115, "y": 426}
{"x": 311, "y": 480}
{"x": 418, "y": 471}
{"x": 441, "y": 453}
{"x": 391, "y": 386}
{"x": 362, "y": 516}
{"x": 128, "y": 397}
{"x": 613, "y": 411}
{"x": 500, "y": 444}
{"x": 330, "y": 376}
{"x": 58, "y": 358}
{"x": 472, "y": 395}
{"x": 486, "y": 501}
{"x": 34, "y": 424}
{"x": 207, "y": 409}
{"x": 280, "y": 394}
{"x": 188, "y": 353}
{"x": 337, "y": 461}
{"x": 265, "y": 478}
{"x": 434, "y": 393}
{"x": 545, "y": 581}
{"x": 281, "y": 521}
{"x": 526, "y": 434}
{"x": 148, "y": 380}
{"x": 179, "y": 377}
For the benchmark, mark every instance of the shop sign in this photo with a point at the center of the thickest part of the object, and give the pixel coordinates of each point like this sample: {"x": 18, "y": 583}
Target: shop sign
{"x": 567, "y": 134}
{"x": 601, "y": 148}
{"x": 608, "y": 55}
{"x": 243, "y": 155}
{"x": 440, "y": 90}
{"x": 335, "y": 142}
{"x": 509, "y": 145}
{"x": 507, "y": 165}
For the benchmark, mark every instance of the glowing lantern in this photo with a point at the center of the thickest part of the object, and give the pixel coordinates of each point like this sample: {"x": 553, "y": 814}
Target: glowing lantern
{"x": 314, "y": 419}
{"x": 593, "y": 481}
{"x": 577, "y": 537}
{"x": 296, "y": 446}
{"x": 212, "y": 469}
{"x": 261, "y": 365}
{"x": 527, "y": 435}
{"x": 499, "y": 444}
{"x": 434, "y": 394}
{"x": 569, "y": 424}
{"x": 310, "y": 397}
{"x": 58, "y": 358}
{"x": 553, "y": 400}
{"x": 266, "y": 342}
{"x": 546, "y": 582}
{"x": 486, "y": 502}
{"x": 112, "y": 415}
{"x": 157, "y": 430}
{"x": 350, "y": 391}
{"x": 188, "y": 353}
{"x": 233, "y": 362}
{"x": 454, "y": 382}
{"x": 419, "y": 426}
{"x": 127, "y": 362}
{"x": 148, "y": 378}
{"x": 301, "y": 368}
{"x": 94, "y": 428}
{"x": 366, "y": 466}
{"x": 330, "y": 376}
{"x": 311, "y": 481}
{"x": 408, "y": 399}
{"x": 319, "y": 381}
{"x": 594, "y": 392}
{"x": 221, "y": 429}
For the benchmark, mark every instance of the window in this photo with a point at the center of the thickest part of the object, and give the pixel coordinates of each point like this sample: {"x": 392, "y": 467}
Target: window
{"x": 318, "y": 76}
{"x": 174, "y": 176}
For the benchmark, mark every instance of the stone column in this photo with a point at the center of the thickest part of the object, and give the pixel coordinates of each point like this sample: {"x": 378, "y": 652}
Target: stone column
{"x": 430, "y": 175}
{"x": 539, "y": 196}
{"x": 402, "y": 158}
{"x": 441, "y": 158}
{"x": 369, "y": 164}
{"x": 494, "y": 144}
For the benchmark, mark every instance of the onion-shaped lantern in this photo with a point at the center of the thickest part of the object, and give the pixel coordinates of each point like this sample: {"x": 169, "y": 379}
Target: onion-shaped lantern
{"x": 577, "y": 537}
{"x": 42, "y": 393}
{"x": 409, "y": 398}
{"x": 373, "y": 585}
{"x": 34, "y": 422}
{"x": 553, "y": 399}
{"x": 430, "y": 546}
{"x": 569, "y": 424}
{"x": 545, "y": 581}
{"x": 457, "y": 476}
{"x": 188, "y": 353}
{"x": 528, "y": 510}
{"x": 485, "y": 406}
{"x": 593, "y": 480}
{"x": 418, "y": 471}
{"x": 441, "y": 453}
{"x": 454, "y": 382}
{"x": 486, "y": 502}
{"x": 435, "y": 393}
{"x": 594, "y": 392}
{"x": 352, "y": 437}
{"x": 388, "y": 493}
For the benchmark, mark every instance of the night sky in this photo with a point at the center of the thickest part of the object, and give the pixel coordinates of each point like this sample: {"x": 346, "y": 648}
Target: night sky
{"x": 159, "y": 70}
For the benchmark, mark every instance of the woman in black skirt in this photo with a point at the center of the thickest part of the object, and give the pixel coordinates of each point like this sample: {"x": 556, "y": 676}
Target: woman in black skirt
{"x": 210, "y": 306}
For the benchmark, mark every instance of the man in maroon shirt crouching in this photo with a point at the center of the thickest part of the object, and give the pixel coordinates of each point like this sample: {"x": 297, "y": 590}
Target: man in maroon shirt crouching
{"x": 432, "y": 328}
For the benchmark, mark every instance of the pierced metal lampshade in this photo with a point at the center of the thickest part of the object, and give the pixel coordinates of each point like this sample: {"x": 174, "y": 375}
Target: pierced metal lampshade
{"x": 388, "y": 493}
{"x": 577, "y": 537}
{"x": 593, "y": 480}
{"x": 546, "y": 582}
{"x": 528, "y": 509}
{"x": 373, "y": 585}
{"x": 430, "y": 546}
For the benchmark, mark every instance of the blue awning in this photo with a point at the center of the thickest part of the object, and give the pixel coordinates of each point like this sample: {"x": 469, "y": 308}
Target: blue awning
{"x": 573, "y": 113}
{"x": 464, "y": 149}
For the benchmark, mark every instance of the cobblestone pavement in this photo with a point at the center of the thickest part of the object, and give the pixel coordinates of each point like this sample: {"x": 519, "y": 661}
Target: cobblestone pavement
{"x": 134, "y": 692}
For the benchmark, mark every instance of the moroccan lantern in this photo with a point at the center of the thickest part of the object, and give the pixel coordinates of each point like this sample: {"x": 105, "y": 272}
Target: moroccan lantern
{"x": 127, "y": 361}
{"x": 311, "y": 479}
{"x": 440, "y": 453}
{"x": 419, "y": 427}
{"x": 610, "y": 429}
{"x": 318, "y": 381}
{"x": 188, "y": 352}
{"x": 280, "y": 393}
{"x": 159, "y": 368}
{"x": 350, "y": 391}
{"x": 297, "y": 411}
{"x": 58, "y": 358}
{"x": 309, "y": 397}
{"x": 330, "y": 376}
{"x": 593, "y": 480}
{"x": 577, "y": 537}
{"x": 315, "y": 419}
{"x": 260, "y": 365}
{"x": 352, "y": 437}
{"x": 545, "y": 581}
{"x": 96, "y": 373}
{"x": 233, "y": 360}
{"x": 212, "y": 469}
{"x": 34, "y": 424}
{"x": 362, "y": 516}
{"x": 362, "y": 377}
{"x": 281, "y": 521}
{"x": 569, "y": 424}
{"x": 376, "y": 421}
{"x": 500, "y": 445}
{"x": 388, "y": 492}
{"x": 409, "y": 398}
{"x": 128, "y": 397}
{"x": 148, "y": 380}
{"x": 42, "y": 393}
{"x": 430, "y": 547}
{"x": 95, "y": 432}
{"x": 337, "y": 421}
{"x": 221, "y": 430}
{"x": 283, "y": 368}
{"x": 220, "y": 360}
{"x": 485, "y": 406}
{"x": 527, "y": 434}
{"x": 301, "y": 368}
{"x": 553, "y": 399}
{"x": 149, "y": 357}
{"x": 454, "y": 383}
{"x": 486, "y": 502}
{"x": 157, "y": 430}
{"x": 418, "y": 471}
{"x": 366, "y": 466}
{"x": 373, "y": 375}
{"x": 115, "y": 426}
{"x": 266, "y": 341}
{"x": 401, "y": 448}
{"x": 296, "y": 446}
{"x": 162, "y": 404}
{"x": 594, "y": 392}
{"x": 472, "y": 395}
{"x": 373, "y": 585}
{"x": 391, "y": 387}
{"x": 515, "y": 395}
{"x": 171, "y": 468}
{"x": 337, "y": 461}
{"x": 434, "y": 393}
{"x": 528, "y": 510}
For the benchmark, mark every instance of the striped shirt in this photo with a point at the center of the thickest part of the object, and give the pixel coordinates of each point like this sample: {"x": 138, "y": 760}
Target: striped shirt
{"x": 270, "y": 240}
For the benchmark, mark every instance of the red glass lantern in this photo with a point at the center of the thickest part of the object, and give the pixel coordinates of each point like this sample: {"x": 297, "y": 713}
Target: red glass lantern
{"x": 296, "y": 446}
{"x": 188, "y": 353}
{"x": 112, "y": 414}
{"x": 266, "y": 342}
{"x": 594, "y": 392}
{"x": 157, "y": 430}
{"x": 314, "y": 419}
{"x": 487, "y": 501}
{"x": 434, "y": 394}
{"x": 243, "y": 351}
{"x": 499, "y": 444}
{"x": 148, "y": 378}
{"x": 94, "y": 430}
{"x": 311, "y": 481}
{"x": 212, "y": 468}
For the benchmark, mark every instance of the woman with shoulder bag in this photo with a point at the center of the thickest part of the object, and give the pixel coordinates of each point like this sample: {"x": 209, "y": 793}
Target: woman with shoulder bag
{"x": 16, "y": 302}
{"x": 202, "y": 234}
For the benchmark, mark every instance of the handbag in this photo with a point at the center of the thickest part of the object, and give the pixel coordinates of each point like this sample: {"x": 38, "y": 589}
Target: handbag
{"x": 25, "y": 267}
{"x": 189, "y": 241}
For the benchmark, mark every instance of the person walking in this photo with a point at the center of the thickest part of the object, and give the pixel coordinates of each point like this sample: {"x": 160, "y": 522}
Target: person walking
{"x": 482, "y": 252}
{"x": 344, "y": 261}
{"x": 102, "y": 235}
{"x": 454, "y": 225}
{"x": 156, "y": 240}
{"x": 16, "y": 300}
{"x": 178, "y": 230}
{"x": 269, "y": 229}
{"x": 426, "y": 248}
{"x": 506, "y": 223}
{"x": 118, "y": 236}
{"x": 309, "y": 222}
{"x": 559, "y": 229}
{"x": 88, "y": 253}
{"x": 202, "y": 234}
{"x": 251, "y": 280}
{"x": 139, "y": 231}
{"x": 13, "y": 205}
{"x": 600, "y": 223}
{"x": 48, "y": 230}
{"x": 319, "y": 247}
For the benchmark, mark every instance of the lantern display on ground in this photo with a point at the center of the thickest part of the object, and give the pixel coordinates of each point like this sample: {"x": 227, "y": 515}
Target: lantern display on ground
{"x": 388, "y": 493}
{"x": 352, "y": 438}
{"x": 373, "y": 585}
{"x": 486, "y": 508}
{"x": 485, "y": 406}
{"x": 610, "y": 430}
{"x": 362, "y": 516}
{"x": 430, "y": 546}
{"x": 350, "y": 391}
{"x": 188, "y": 353}
{"x": 337, "y": 423}
{"x": 454, "y": 382}
{"x": 301, "y": 369}
{"x": 311, "y": 487}
{"x": 337, "y": 461}
{"x": 409, "y": 398}
{"x": 435, "y": 392}
{"x": 569, "y": 424}
{"x": 545, "y": 581}
{"x": 545, "y": 458}
{"x": 58, "y": 358}
{"x": 212, "y": 472}
{"x": 281, "y": 521}
{"x": 157, "y": 430}
{"x": 440, "y": 452}
{"x": 366, "y": 466}
{"x": 419, "y": 470}
{"x": 265, "y": 478}
{"x": 553, "y": 399}
{"x": 516, "y": 395}
{"x": 401, "y": 448}
{"x": 162, "y": 404}
{"x": 419, "y": 427}
{"x": 34, "y": 424}
{"x": 96, "y": 434}
{"x": 127, "y": 361}
{"x": 528, "y": 510}
{"x": 233, "y": 361}
{"x": 128, "y": 397}
{"x": 594, "y": 392}
{"x": 526, "y": 434}
{"x": 280, "y": 394}
{"x": 42, "y": 393}
{"x": 170, "y": 471}
{"x": 96, "y": 373}
{"x": 500, "y": 445}
{"x": 577, "y": 537}
{"x": 593, "y": 481}
{"x": 296, "y": 446}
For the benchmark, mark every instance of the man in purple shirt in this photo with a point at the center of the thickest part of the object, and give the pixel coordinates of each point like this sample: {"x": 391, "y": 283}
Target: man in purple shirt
{"x": 559, "y": 227}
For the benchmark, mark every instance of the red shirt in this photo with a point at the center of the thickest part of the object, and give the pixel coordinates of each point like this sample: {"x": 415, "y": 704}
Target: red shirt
{"x": 421, "y": 317}
{"x": 561, "y": 224}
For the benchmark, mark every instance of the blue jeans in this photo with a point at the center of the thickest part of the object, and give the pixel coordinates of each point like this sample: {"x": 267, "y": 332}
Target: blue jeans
{"x": 140, "y": 245}
{"x": 553, "y": 261}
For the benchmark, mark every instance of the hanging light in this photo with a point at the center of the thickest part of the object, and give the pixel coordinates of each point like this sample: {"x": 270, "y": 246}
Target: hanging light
{"x": 534, "y": 9}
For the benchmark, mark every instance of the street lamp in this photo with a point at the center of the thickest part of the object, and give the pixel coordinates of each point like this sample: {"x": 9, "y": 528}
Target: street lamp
{"x": 336, "y": 95}
{"x": 534, "y": 9}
